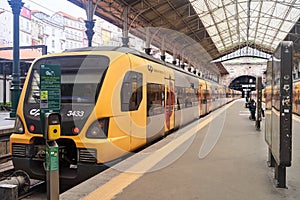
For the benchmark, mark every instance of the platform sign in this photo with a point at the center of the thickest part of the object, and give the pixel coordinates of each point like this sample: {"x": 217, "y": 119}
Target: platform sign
{"x": 282, "y": 104}
{"x": 279, "y": 118}
{"x": 50, "y": 90}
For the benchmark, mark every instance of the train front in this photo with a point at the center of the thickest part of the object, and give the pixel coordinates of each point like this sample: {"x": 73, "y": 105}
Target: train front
{"x": 82, "y": 76}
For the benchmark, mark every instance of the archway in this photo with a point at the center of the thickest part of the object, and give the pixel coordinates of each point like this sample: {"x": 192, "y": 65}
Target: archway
{"x": 245, "y": 84}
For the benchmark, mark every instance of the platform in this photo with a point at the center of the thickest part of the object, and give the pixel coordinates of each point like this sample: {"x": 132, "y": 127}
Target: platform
{"x": 5, "y": 122}
{"x": 221, "y": 156}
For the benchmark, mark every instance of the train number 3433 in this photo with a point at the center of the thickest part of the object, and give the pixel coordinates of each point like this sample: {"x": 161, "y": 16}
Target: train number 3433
{"x": 75, "y": 113}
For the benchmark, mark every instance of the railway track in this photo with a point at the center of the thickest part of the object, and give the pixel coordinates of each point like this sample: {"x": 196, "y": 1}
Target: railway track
{"x": 35, "y": 187}
{"x": 4, "y": 145}
{"x": 5, "y": 158}
{"x": 6, "y": 165}
{"x": 32, "y": 187}
{"x": 7, "y": 171}
{"x": 26, "y": 187}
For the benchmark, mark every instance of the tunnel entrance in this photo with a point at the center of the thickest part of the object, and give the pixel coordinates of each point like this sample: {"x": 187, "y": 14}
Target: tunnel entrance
{"x": 245, "y": 84}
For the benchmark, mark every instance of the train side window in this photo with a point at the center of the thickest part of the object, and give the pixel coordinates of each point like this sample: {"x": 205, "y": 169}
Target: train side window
{"x": 155, "y": 99}
{"x": 34, "y": 96}
{"x": 180, "y": 97}
{"x": 132, "y": 91}
{"x": 196, "y": 97}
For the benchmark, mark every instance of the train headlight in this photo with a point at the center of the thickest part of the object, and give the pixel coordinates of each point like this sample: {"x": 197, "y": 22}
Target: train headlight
{"x": 98, "y": 129}
{"x": 19, "y": 128}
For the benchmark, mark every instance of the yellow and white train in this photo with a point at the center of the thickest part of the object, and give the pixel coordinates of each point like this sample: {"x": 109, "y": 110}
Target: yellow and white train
{"x": 113, "y": 101}
{"x": 296, "y": 97}
{"x": 268, "y": 93}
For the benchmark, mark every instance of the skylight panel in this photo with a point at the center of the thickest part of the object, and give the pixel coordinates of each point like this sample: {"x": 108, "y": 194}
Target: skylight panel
{"x": 228, "y": 23}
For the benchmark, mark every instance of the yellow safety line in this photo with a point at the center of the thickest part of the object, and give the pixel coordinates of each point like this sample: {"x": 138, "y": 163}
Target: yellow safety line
{"x": 118, "y": 183}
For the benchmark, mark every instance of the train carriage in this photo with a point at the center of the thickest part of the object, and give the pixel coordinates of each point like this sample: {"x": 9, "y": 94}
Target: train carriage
{"x": 215, "y": 96}
{"x": 202, "y": 99}
{"x": 209, "y": 96}
{"x": 296, "y": 97}
{"x": 113, "y": 101}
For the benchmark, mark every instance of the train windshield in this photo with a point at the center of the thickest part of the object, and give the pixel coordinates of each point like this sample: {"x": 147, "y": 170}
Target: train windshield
{"x": 81, "y": 78}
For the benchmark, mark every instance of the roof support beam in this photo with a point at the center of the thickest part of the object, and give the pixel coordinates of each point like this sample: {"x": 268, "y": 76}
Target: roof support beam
{"x": 258, "y": 19}
{"x": 180, "y": 17}
{"x": 203, "y": 14}
{"x": 285, "y": 16}
{"x": 248, "y": 20}
{"x": 227, "y": 21}
{"x": 234, "y": 23}
{"x": 268, "y": 25}
{"x": 214, "y": 21}
{"x": 237, "y": 20}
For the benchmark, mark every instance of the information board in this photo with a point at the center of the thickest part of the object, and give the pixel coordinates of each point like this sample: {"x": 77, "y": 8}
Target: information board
{"x": 50, "y": 76}
{"x": 50, "y": 90}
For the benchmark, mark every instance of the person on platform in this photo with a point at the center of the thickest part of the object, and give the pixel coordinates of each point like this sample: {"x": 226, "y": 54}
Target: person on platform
{"x": 252, "y": 109}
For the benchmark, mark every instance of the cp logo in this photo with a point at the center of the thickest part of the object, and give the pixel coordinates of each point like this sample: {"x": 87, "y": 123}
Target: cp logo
{"x": 150, "y": 68}
{"x": 34, "y": 112}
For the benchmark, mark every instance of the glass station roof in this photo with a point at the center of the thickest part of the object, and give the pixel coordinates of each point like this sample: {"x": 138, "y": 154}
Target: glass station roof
{"x": 233, "y": 23}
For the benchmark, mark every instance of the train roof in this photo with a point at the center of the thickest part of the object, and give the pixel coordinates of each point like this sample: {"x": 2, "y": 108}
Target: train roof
{"x": 119, "y": 49}
{"x": 136, "y": 53}
{"x": 106, "y": 48}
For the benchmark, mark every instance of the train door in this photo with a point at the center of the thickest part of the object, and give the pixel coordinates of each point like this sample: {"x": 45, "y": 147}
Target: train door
{"x": 156, "y": 95}
{"x": 137, "y": 102}
{"x": 208, "y": 96}
{"x": 226, "y": 94}
{"x": 202, "y": 98}
{"x": 169, "y": 103}
{"x": 215, "y": 96}
{"x": 222, "y": 95}
{"x": 296, "y": 97}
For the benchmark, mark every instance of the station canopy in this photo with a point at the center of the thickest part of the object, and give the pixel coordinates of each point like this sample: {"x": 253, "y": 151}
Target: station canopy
{"x": 207, "y": 29}
{"x": 259, "y": 23}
